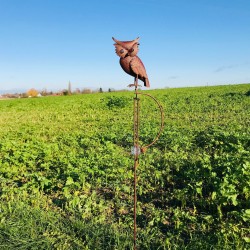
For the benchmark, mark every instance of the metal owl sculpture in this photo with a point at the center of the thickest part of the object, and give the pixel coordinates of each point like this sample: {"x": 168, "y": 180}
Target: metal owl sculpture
{"x": 130, "y": 62}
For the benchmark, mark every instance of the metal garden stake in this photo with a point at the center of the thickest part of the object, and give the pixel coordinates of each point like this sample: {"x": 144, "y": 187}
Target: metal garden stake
{"x": 132, "y": 65}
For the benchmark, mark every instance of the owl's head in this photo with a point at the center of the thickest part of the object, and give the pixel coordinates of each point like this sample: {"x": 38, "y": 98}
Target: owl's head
{"x": 127, "y": 48}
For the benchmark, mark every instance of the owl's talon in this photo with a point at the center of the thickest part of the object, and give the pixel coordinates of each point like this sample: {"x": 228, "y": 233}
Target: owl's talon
{"x": 133, "y": 85}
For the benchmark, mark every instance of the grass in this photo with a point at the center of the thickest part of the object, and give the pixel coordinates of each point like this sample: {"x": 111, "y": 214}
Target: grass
{"x": 66, "y": 172}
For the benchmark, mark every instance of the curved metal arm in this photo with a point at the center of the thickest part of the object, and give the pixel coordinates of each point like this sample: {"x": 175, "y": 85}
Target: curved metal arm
{"x": 143, "y": 149}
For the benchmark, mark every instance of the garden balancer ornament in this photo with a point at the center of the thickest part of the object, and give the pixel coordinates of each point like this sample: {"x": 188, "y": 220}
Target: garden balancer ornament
{"x": 132, "y": 65}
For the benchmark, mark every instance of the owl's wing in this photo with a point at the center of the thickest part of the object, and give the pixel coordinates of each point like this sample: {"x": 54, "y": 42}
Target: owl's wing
{"x": 138, "y": 67}
{"x": 120, "y": 51}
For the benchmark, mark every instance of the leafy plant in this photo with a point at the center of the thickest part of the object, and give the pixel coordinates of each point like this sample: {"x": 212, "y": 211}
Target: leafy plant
{"x": 116, "y": 101}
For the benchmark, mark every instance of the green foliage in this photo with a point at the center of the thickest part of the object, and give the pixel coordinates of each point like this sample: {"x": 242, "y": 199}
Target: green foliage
{"x": 116, "y": 101}
{"x": 66, "y": 173}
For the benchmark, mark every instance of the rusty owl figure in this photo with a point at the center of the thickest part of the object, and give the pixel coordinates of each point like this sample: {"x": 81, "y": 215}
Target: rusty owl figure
{"x": 130, "y": 62}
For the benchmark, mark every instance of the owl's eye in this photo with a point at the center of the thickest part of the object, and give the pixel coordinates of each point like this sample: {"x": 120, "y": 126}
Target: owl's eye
{"x": 122, "y": 51}
{"x": 132, "y": 50}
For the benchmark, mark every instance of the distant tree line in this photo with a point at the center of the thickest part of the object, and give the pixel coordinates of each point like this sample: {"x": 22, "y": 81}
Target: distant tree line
{"x": 65, "y": 92}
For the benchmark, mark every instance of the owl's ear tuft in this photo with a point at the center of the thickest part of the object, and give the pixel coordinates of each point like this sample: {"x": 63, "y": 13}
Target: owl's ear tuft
{"x": 137, "y": 39}
{"x": 114, "y": 39}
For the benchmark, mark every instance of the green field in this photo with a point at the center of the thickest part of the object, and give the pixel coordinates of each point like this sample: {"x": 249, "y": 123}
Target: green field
{"x": 66, "y": 172}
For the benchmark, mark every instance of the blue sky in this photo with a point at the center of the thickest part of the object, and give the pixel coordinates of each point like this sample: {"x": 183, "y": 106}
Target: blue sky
{"x": 47, "y": 43}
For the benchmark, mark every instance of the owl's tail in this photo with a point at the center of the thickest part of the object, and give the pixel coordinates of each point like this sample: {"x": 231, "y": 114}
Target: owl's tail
{"x": 146, "y": 83}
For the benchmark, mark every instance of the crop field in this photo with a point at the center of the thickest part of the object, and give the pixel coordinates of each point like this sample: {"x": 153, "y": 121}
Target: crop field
{"x": 66, "y": 171}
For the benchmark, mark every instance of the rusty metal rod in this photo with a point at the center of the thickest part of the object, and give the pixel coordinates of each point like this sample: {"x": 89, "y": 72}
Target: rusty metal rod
{"x": 144, "y": 148}
{"x": 136, "y": 154}
{"x": 135, "y": 201}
